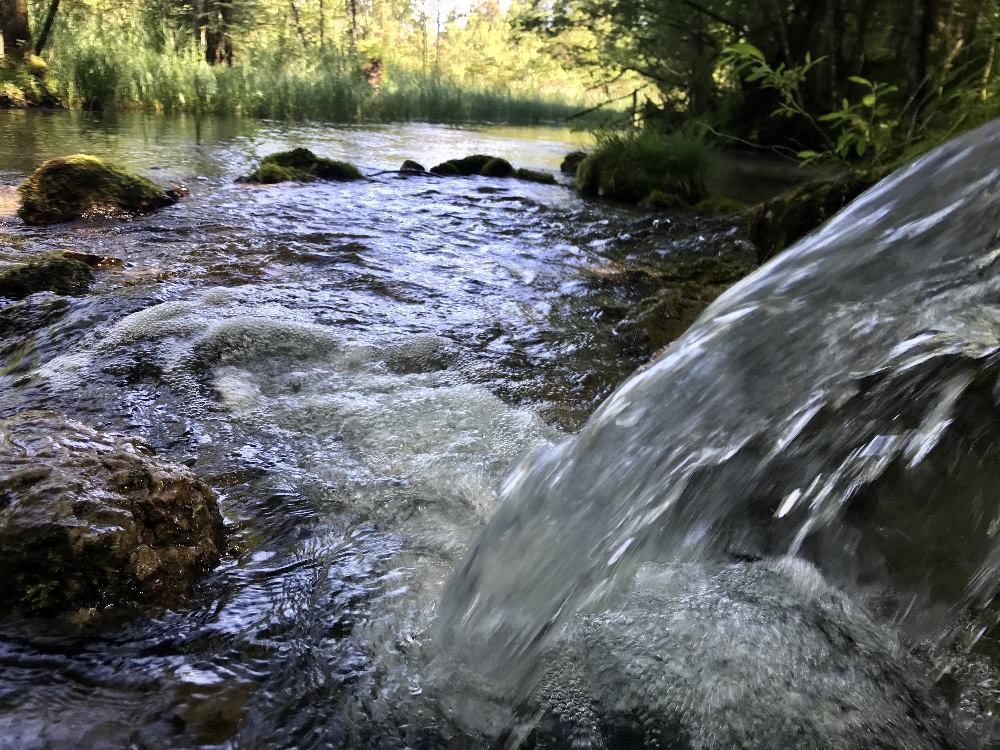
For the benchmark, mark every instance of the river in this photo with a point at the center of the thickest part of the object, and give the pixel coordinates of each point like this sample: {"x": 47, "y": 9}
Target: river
{"x": 353, "y": 367}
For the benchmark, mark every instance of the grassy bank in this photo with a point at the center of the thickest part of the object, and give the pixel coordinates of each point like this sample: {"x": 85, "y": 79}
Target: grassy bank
{"x": 152, "y": 67}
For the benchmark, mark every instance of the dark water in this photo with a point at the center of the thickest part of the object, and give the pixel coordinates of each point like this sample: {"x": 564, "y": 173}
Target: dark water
{"x": 353, "y": 368}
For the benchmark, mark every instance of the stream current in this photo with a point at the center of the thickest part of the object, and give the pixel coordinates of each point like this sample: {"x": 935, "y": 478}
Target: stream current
{"x": 353, "y": 368}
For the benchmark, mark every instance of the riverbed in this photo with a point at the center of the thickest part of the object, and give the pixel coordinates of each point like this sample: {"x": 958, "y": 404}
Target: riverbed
{"x": 353, "y": 368}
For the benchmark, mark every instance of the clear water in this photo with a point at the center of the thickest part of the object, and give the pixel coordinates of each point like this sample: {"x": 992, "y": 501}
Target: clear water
{"x": 353, "y": 367}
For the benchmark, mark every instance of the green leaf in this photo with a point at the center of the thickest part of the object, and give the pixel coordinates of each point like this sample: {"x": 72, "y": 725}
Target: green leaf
{"x": 860, "y": 147}
{"x": 846, "y": 104}
{"x": 807, "y": 154}
{"x": 869, "y": 100}
{"x": 745, "y": 49}
{"x": 860, "y": 80}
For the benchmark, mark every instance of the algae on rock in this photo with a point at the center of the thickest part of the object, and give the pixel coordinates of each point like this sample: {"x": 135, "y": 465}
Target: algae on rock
{"x": 301, "y": 165}
{"x": 780, "y": 222}
{"x": 91, "y": 519}
{"x": 50, "y": 273}
{"x": 79, "y": 186}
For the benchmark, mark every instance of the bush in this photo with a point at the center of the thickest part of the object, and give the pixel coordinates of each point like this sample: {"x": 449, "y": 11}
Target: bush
{"x": 629, "y": 166}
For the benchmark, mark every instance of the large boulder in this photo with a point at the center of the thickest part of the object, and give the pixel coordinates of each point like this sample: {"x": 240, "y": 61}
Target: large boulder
{"x": 80, "y": 186}
{"x": 91, "y": 519}
{"x": 301, "y": 165}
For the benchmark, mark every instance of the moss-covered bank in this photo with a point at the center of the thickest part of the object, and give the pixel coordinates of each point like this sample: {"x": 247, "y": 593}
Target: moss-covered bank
{"x": 79, "y": 186}
{"x": 780, "y": 222}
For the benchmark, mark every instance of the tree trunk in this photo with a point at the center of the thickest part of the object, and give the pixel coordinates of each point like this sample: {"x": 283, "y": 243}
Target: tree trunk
{"x": 50, "y": 18}
{"x": 15, "y": 33}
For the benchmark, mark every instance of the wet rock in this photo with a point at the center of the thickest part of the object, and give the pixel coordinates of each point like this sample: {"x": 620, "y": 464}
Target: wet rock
{"x": 50, "y": 273}
{"x": 474, "y": 165}
{"x": 412, "y": 166}
{"x": 81, "y": 186}
{"x": 532, "y": 175}
{"x": 91, "y": 519}
{"x": 755, "y": 655}
{"x": 572, "y": 161}
{"x": 659, "y": 200}
{"x": 301, "y": 165}
{"x": 780, "y": 222}
{"x": 719, "y": 205}
{"x": 497, "y": 168}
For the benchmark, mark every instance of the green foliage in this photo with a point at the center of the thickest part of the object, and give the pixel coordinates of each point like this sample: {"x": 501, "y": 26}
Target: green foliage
{"x": 146, "y": 56}
{"x": 630, "y": 166}
{"x": 70, "y": 187}
{"x": 301, "y": 165}
{"x": 859, "y": 127}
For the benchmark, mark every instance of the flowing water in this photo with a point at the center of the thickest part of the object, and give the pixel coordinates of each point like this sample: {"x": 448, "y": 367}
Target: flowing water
{"x": 353, "y": 367}
{"x": 840, "y": 404}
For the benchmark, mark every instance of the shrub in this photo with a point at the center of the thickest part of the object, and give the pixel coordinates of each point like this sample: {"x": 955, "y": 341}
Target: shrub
{"x": 629, "y": 166}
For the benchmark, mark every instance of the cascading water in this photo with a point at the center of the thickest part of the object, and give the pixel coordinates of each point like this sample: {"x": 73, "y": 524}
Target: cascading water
{"x": 839, "y": 404}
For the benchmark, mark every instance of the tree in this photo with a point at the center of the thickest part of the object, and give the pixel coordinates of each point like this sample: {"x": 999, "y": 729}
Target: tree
{"x": 15, "y": 31}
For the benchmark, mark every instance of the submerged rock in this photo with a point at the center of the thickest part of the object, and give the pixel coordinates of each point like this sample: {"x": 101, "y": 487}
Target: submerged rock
{"x": 533, "y": 175}
{"x": 78, "y": 186}
{"x": 681, "y": 291}
{"x": 572, "y": 161}
{"x": 754, "y": 655}
{"x": 50, "y": 273}
{"x": 91, "y": 519}
{"x": 301, "y": 165}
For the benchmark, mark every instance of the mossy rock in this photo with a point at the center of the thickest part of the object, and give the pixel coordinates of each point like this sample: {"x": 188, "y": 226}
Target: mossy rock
{"x": 497, "y": 168}
{"x": 660, "y": 200}
{"x": 472, "y": 165}
{"x": 446, "y": 169}
{"x": 301, "y": 165}
{"x": 412, "y": 166}
{"x": 51, "y": 273}
{"x": 572, "y": 161}
{"x": 719, "y": 205}
{"x": 74, "y": 187}
{"x": 23, "y": 86}
{"x": 533, "y": 175}
{"x": 91, "y": 519}
{"x": 780, "y": 222}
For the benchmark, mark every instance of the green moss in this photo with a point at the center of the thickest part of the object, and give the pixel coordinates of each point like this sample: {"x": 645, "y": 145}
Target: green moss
{"x": 572, "y": 161}
{"x": 497, "y": 168}
{"x": 270, "y": 174}
{"x": 470, "y": 165}
{"x": 26, "y": 85}
{"x": 71, "y": 187}
{"x": 718, "y": 205}
{"x": 301, "y": 165}
{"x": 629, "y": 167}
{"x": 532, "y": 175}
{"x": 780, "y": 222}
{"x": 663, "y": 201}
{"x": 52, "y": 273}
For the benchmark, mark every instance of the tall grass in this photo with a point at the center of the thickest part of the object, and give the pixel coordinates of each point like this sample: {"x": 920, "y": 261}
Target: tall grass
{"x": 133, "y": 69}
{"x": 632, "y": 166}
